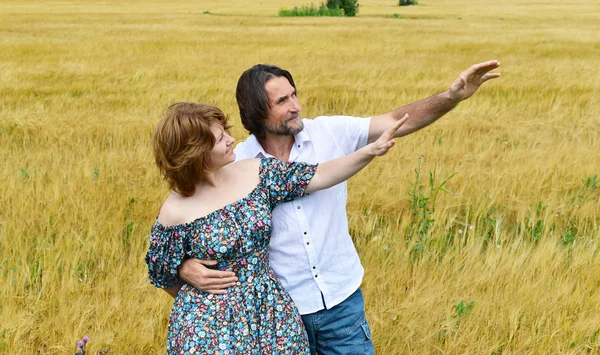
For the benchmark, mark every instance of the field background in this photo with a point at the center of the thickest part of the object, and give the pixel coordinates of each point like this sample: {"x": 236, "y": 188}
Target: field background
{"x": 506, "y": 262}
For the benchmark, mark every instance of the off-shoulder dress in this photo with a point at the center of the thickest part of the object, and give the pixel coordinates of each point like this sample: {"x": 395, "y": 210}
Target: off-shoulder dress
{"x": 257, "y": 316}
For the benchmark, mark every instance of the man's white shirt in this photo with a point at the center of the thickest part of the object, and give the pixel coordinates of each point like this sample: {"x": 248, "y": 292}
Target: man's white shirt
{"x": 311, "y": 251}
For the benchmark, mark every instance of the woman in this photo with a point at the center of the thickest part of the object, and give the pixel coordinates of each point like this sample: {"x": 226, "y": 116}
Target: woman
{"x": 222, "y": 211}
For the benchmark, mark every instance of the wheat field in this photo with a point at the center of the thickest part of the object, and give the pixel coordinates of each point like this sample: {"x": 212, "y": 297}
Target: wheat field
{"x": 505, "y": 261}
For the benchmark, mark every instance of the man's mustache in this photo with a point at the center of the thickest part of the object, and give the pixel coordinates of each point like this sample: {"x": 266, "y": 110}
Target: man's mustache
{"x": 296, "y": 115}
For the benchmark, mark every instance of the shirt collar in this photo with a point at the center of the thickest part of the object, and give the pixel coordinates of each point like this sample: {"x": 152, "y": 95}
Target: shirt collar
{"x": 256, "y": 150}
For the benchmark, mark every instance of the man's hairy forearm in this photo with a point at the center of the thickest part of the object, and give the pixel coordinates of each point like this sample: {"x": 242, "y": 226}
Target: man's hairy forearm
{"x": 423, "y": 112}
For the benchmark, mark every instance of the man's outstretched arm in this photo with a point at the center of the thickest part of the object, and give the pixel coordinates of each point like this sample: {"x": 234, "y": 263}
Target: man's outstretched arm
{"x": 426, "y": 111}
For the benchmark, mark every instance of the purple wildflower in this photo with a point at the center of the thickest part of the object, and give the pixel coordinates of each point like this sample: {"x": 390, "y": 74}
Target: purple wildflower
{"x": 80, "y": 344}
{"x": 86, "y": 339}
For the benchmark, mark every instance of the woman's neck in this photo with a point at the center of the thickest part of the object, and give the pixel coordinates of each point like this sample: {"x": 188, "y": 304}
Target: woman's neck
{"x": 213, "y": 178}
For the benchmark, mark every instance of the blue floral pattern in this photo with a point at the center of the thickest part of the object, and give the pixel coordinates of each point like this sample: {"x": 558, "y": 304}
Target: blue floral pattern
{"x": 257, "y": 316}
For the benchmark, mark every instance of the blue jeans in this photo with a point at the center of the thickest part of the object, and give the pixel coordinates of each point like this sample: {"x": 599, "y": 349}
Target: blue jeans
{"x": 341, "y": 330}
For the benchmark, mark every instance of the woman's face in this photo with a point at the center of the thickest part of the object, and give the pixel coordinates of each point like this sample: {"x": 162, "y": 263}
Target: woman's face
{"x": 222, "y": 152}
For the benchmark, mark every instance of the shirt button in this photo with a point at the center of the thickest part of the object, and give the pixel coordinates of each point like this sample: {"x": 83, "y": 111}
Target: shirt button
{"x": 298, "y": 145}
{"x": 316, "y": 276}
{"x": 305, "y": 233}
{"x": 307, "y": 243}
{"x": 314, "y": 267}
{"x": 298, "y": 207}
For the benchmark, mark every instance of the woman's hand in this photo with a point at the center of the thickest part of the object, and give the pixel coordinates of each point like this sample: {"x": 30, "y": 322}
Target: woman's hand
{"x": 386, "y": 140}
{"x": 334, "y": 171}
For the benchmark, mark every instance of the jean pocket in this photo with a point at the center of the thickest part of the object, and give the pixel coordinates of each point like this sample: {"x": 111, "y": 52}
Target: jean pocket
{"x": 365, "y": 327}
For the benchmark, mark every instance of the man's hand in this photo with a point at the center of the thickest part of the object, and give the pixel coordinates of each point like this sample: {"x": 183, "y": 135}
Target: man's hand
{"x": 195, "y": 273}
{"x": 469, "y": 81}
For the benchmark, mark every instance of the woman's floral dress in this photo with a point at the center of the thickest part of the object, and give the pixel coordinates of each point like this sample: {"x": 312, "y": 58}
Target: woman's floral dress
{"x": 257, "y": 316}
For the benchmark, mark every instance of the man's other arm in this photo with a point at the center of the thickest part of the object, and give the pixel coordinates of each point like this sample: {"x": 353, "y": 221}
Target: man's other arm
{"x": 424, "y": 112}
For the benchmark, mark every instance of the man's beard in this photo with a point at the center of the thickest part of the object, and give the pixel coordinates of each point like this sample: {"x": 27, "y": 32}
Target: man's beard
{"x": 283, "y": 129}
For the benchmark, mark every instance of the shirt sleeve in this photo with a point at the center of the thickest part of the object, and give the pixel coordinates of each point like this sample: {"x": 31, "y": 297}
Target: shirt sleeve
{"x": 165, "y": 254}
{"x": 285, "y": 181}
{"x": 348, "y": 133}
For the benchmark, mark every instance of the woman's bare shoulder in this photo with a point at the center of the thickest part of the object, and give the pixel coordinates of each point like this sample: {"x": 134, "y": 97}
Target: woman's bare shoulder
{"x": 246, "y": 166}
{"x": 171, "y": 211}
{"x": 244, "y": 173}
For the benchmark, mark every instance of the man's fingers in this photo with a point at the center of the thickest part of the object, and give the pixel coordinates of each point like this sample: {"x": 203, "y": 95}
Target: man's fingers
{"x": 230, "y": 281}
{"x": 207, "y": 262}
{"x": 217, "y": 292}
{"x": 487, "y": 77}
{"x": 486, "y": 67}
{"x": 215, "y": 285}
{"x": 218, "y": 274}
{"x": 490, "y": 64}
{"x": 480, "y": 69}
{"x": 218, "y": 285}
{"x": 210, "y": 273}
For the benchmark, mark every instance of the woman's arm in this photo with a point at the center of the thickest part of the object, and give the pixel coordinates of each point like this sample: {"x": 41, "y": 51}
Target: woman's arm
{"x": 173, "y": 291}
{"x": 338, "y": 170}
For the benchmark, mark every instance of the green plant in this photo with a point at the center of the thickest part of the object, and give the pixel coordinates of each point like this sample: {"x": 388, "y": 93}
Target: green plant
{"x": 462, "y": 310}
{"x": 589, "y": 190}
{"x": 422, "y": 202}
{"x": 349, "y": 7}
{"x": 129, "y": 225}
{"x": 536, "y": 225}
{"x": 310, "y": 10}
{"x": 76, "y": 93}
{"x": 3, "y": 342}
{"x": 328, "y": 8}
{"x": 407, "y": 2}
{"x": 570, "y": 236}
{"x": 490, "y": 223}
{"x": 25, "y": 174}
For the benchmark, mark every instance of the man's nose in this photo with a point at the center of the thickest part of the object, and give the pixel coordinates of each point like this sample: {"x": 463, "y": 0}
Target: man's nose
{"x": 297, "y": 107}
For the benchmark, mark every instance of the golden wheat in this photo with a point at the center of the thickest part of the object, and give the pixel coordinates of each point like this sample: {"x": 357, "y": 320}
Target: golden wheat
{"x": 509, "y": 264}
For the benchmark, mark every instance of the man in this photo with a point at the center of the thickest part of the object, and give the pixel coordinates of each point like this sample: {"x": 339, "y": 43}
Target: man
{"x": 311, "y": 251}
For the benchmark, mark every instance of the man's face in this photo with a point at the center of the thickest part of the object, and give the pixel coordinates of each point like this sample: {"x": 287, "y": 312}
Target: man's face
{"x": 284, "y": 112}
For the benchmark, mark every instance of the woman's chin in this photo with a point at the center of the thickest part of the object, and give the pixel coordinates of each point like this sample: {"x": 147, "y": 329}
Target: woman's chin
{"x": 231, "y": 156}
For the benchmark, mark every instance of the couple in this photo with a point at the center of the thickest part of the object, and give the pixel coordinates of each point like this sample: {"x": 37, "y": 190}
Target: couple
{"x": 231, "y": 257}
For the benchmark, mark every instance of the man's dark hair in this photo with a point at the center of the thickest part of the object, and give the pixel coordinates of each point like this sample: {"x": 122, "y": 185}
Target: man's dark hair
{"x": 252, "y": 98}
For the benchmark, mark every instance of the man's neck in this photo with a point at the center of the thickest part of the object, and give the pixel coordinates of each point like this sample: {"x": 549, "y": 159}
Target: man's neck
{"x": 278, "y": 146}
